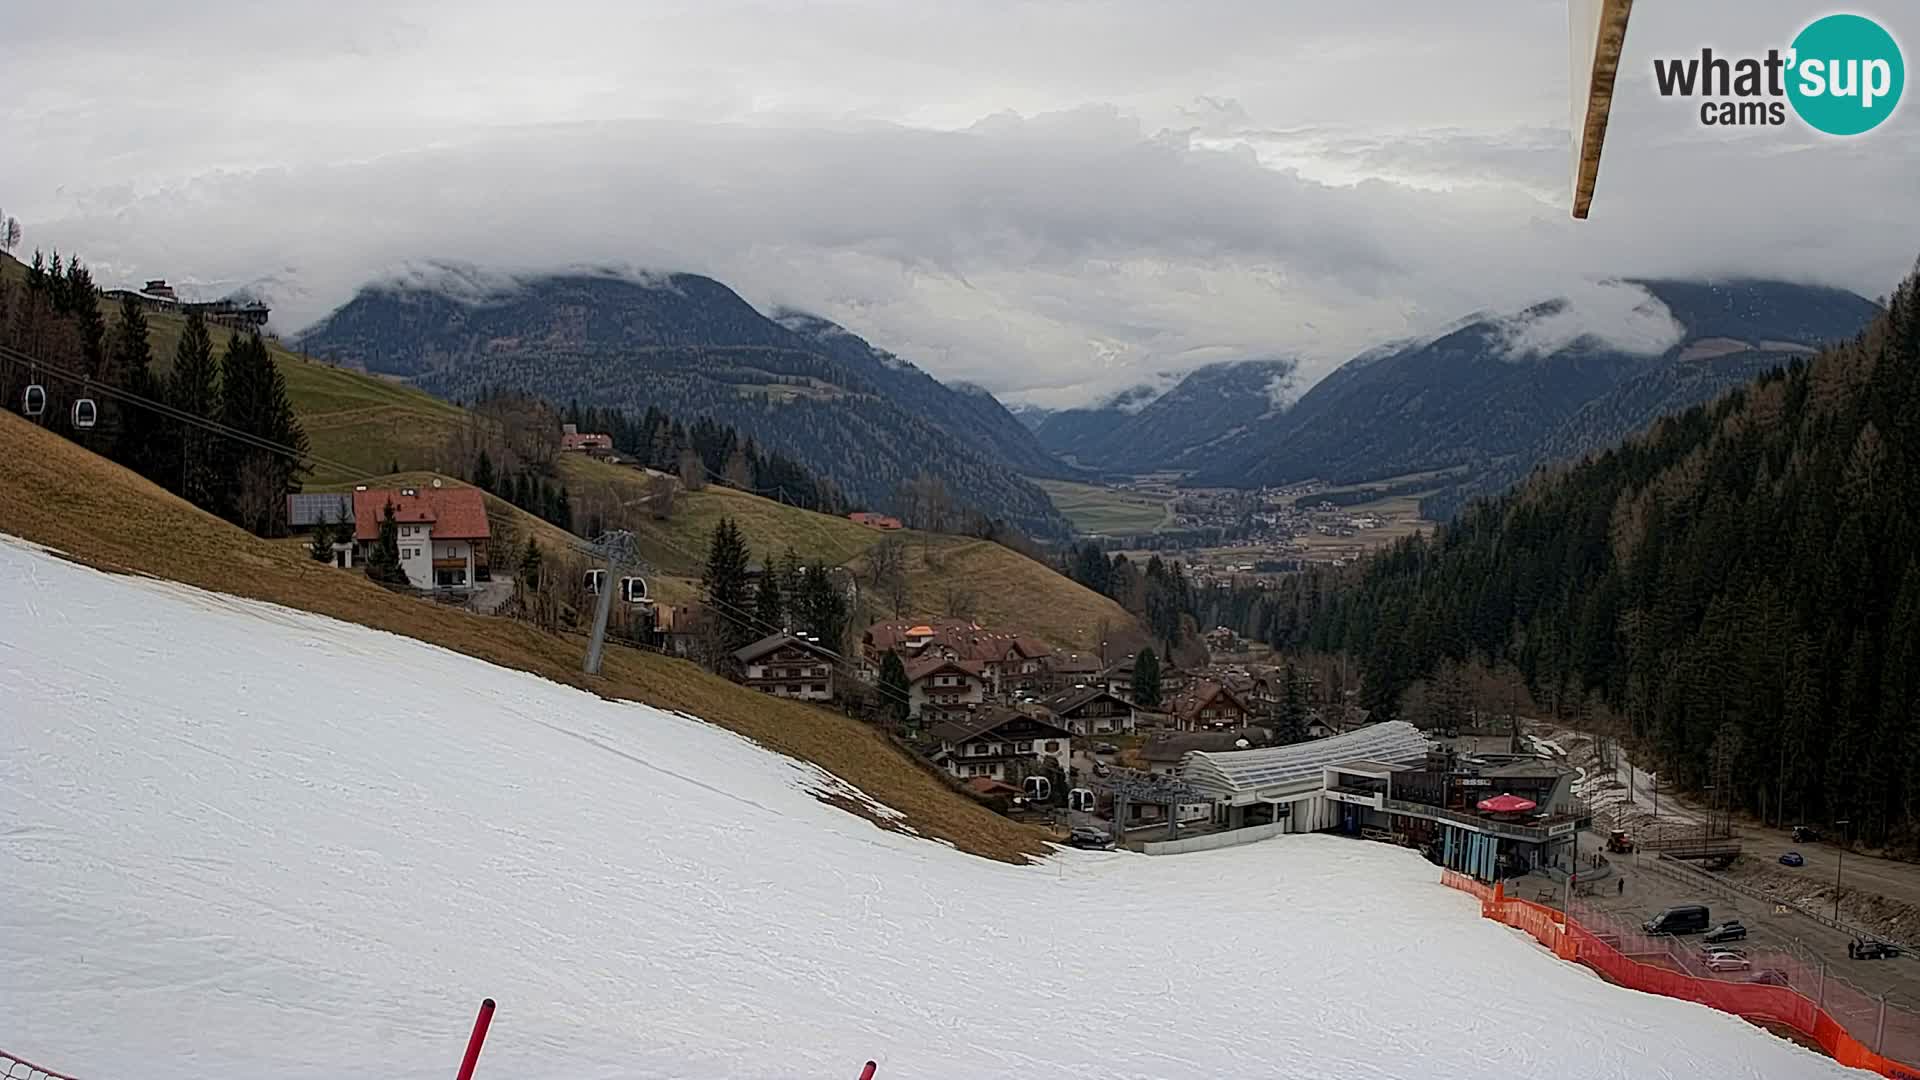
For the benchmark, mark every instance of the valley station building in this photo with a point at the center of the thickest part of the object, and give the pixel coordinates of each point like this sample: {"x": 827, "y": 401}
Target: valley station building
{"x": 1389, "y": 782}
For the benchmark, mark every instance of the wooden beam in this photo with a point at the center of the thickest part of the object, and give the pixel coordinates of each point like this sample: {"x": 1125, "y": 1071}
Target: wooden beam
{"x": 1594, "y": 100}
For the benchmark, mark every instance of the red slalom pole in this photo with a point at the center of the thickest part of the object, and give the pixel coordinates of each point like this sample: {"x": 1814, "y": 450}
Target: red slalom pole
{"x": 867, "y": 1073}
{"x": 479, "y": 1036}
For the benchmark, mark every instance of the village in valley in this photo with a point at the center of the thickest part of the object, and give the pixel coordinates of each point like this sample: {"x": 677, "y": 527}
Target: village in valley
{"x": 1117, "y": 743}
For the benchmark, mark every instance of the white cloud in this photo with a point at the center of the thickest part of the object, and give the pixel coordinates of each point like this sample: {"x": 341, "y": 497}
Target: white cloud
{"x": 1616, "y": 314}
{"x": 1052, "y": 199}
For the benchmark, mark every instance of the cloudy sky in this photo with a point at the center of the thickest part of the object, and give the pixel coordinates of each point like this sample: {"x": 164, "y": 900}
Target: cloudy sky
{"x": 1052, "y": 198}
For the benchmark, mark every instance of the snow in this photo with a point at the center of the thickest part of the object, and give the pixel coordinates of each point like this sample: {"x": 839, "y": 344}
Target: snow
{"x": 1606, "y": 789}
{"x": 239, "y": 840}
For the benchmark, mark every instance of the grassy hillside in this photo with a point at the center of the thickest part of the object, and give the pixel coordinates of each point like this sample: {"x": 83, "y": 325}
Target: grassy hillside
{"x": 55, "y": 493}
{"x": 357, "y": 420}
{"x": 679, "y": 544}
{"x": 366, "y": 424}
{"x": 1008, "y": 590}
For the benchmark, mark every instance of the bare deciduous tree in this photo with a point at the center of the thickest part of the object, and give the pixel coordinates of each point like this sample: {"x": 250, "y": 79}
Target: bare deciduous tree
{"x": 9, "y": 233}
{"x": 886, "y": 560}
{"x": 693, "y": 471}
{"x": 528, "y": 428}
{"x": 959, "y": 602}
{"x": 660, "y": 497}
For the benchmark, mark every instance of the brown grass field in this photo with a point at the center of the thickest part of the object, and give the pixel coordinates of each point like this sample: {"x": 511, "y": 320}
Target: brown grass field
{"x": 55, "y": 493}
{"x": 1009, "y": 591}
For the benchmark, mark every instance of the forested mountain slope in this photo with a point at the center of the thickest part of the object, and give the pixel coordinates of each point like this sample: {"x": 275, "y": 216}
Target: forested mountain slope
{"x": 692, "y": 347}
{"x": 1485, "y": 394}
{"x": 1142, "y": 430}
{"x": 1629, "y": 407}
{"x": 968, "y": 413}
{"x": 1743, "y": 583}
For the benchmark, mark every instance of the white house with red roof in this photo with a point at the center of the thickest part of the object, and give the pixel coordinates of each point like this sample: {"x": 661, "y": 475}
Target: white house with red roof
{"x": 442, "y": 532}
{"x": 575, "y": 441}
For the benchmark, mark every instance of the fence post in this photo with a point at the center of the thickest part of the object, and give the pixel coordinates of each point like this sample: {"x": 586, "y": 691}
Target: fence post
{"x": 1820, "y": 1002}
{"x": 1880, "y": 1027}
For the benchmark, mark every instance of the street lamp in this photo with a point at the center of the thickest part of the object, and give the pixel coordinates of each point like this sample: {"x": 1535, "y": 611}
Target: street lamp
{"x": 1841, "y": 862}
{"x": 1706, "y": 825}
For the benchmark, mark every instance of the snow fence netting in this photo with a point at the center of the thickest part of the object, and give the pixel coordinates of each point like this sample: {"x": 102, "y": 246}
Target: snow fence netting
{"x": 1841, "y": 1019}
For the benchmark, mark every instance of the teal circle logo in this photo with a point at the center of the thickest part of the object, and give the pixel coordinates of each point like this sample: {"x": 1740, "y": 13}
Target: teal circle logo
{"x": 1846, "y": 74}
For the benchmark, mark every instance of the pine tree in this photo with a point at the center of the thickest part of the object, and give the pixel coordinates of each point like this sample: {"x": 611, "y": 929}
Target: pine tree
{"x": 769, "y": 610}
{"x": 321, "y": 546}
{"x": 193, "y": 387}
{"x": 383, "y": 559}
{"x": 894, "y": 689}
{"x": 724, "y": 584}
{"x": 136, "y": 428}
{"x": 563, "y": 509}
{"x": 1293, "y": 708}
{"x": 530, "y": 564}
{"x": 1146, "y": 679}
{"x": 823, "y": 607}
{"x": 253, "y": 399}
{"x": 78, "y": 300}
{"x": 483, "y": 472}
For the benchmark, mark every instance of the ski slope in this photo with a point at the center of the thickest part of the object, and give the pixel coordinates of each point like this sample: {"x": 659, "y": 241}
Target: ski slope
{"x": 238, "y": 840}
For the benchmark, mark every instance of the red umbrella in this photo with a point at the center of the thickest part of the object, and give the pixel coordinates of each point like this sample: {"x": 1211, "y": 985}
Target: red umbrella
{"x": 1506, "y": 804}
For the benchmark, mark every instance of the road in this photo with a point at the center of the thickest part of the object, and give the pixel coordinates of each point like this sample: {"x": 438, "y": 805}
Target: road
{"x": 1880, "y": 894}
{"x": 1648, "y": 891}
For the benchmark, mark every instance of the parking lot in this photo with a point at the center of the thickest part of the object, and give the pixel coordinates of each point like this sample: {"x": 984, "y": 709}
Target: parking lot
{"x": 1650, "y": 889}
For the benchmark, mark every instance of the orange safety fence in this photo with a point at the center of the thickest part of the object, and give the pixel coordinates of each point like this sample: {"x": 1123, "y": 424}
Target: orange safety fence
{"x": 1782, "y": 1005}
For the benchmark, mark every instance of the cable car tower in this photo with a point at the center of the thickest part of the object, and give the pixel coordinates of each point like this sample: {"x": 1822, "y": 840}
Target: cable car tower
{"x": 617, "y": 551}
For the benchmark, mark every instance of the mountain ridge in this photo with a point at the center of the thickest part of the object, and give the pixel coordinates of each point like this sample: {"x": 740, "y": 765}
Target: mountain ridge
{"x": 692, "y": 345}
{"x": 1147, "y": 429}
{"x": 1484, "y": 392}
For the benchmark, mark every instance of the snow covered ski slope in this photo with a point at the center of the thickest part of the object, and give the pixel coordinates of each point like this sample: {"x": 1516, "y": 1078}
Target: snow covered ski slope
{"x": 237, "y": 840}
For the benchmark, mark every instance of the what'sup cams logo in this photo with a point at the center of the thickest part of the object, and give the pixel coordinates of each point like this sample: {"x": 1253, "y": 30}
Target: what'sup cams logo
{"x": 1842, "y": 75}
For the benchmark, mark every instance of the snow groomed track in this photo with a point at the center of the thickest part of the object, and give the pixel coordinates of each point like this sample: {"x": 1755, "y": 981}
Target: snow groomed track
{"x": 241, "y": 840}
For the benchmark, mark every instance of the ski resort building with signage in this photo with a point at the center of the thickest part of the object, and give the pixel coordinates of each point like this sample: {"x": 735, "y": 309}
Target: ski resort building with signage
{"x": 1390, "y": 782}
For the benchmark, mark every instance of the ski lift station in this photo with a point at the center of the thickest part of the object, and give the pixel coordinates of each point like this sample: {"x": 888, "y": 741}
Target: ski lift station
{"x": 1385, "y": 782}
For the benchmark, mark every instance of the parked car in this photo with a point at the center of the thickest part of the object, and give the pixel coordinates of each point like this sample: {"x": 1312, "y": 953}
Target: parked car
{"x": 1867, "y": 949}
{"x": 1101, "y": 768}
{"x": 1793, "y": 858}
{"x": 1728, "y": 962}
{"x": 1712, "y": 951}
{"x": 1805, "y": 834}
{"x": 1683, "y": 919}
{"x": 1771, "y": 977}
{"x": 1731, "y": 930}
{"x": 1087, "y": 837}
{"x": 1105, "y": 748}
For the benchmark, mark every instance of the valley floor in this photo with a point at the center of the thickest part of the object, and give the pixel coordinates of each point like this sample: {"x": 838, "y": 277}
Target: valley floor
{"x": 244, "y": 840}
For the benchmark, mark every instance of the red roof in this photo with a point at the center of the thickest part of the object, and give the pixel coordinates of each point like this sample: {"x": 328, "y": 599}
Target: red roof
{"x": 455, "y": 513}
{"x": 876, "y": 521}
{"x": 583, "y": 441}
